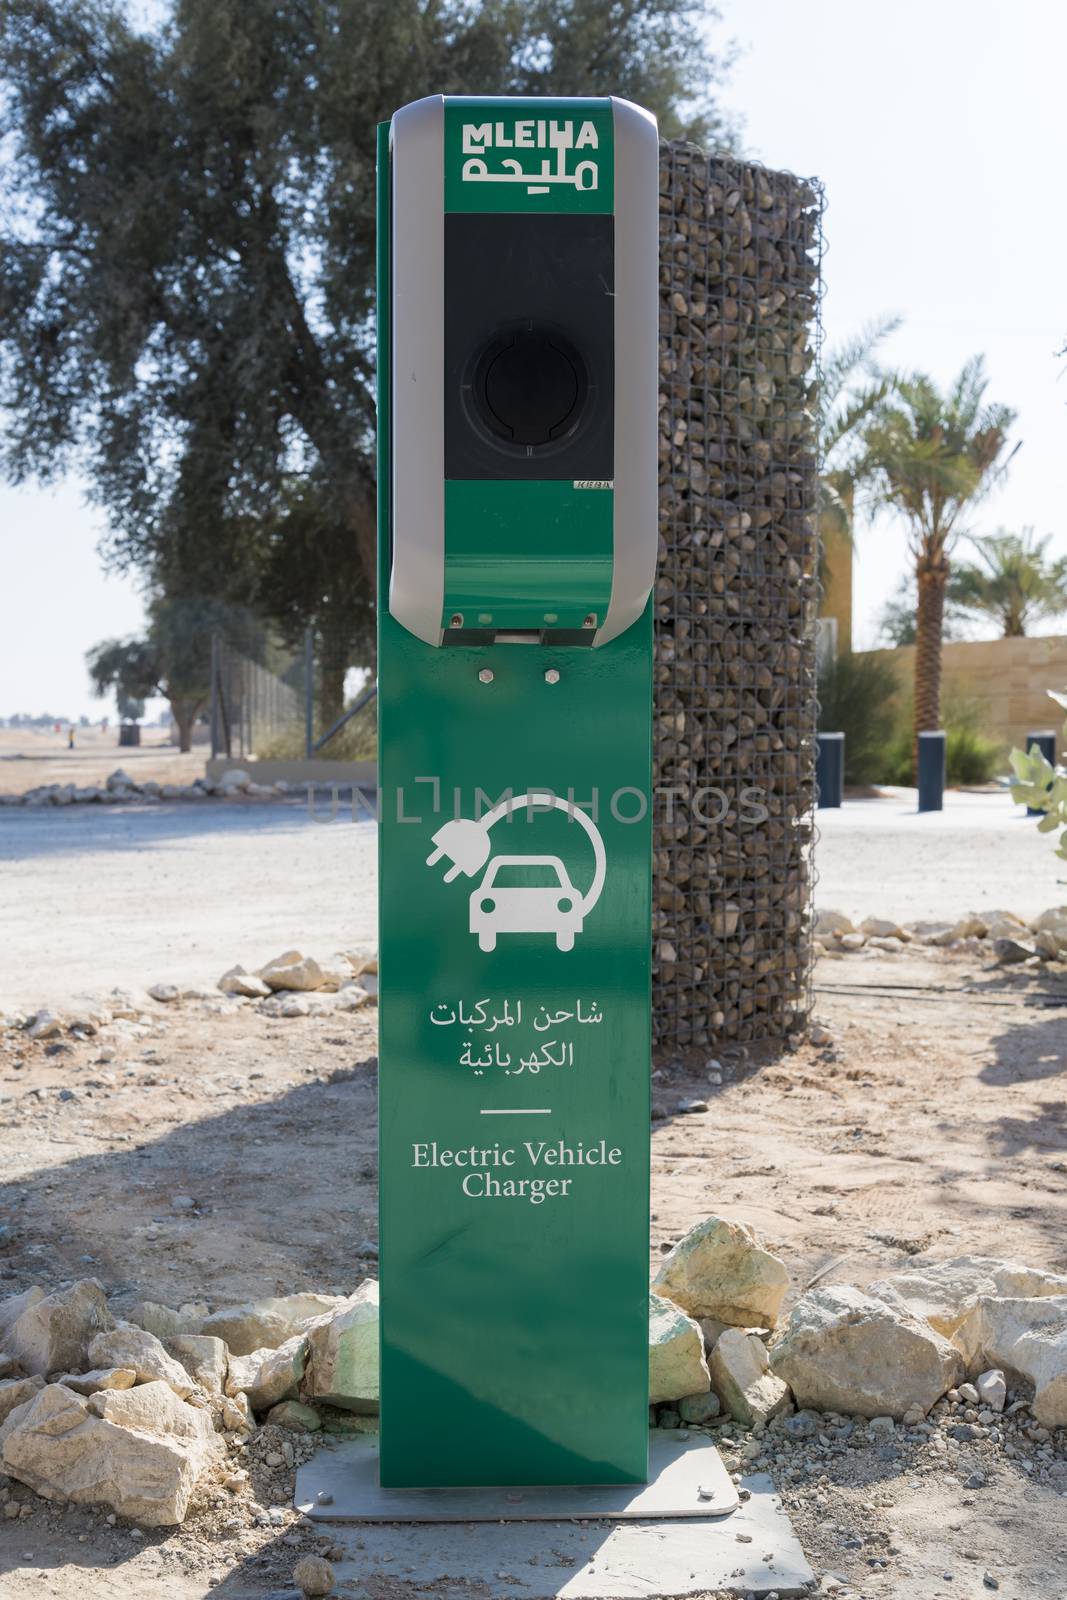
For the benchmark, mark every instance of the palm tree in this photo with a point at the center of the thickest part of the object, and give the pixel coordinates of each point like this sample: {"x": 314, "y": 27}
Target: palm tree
{"x": 1016, "y": 584}
{"x": 933, "y": 456}
{"x": 846, "y": 405}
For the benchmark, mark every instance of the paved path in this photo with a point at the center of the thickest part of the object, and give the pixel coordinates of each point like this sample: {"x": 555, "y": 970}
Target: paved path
{"x": 95, "y": 896}
{"x": 881, "y": 858}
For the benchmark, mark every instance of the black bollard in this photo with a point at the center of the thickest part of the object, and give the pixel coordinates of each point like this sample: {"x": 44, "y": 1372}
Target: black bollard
{"x": 1046, "y": 743}
{"x": 830, "y": 770}
{"x": 931, "y": 771}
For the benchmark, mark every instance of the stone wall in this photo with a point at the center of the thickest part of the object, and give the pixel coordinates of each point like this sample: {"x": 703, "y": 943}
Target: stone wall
{"x": 736, "y": 599}
{"x": 1007, "y": 678}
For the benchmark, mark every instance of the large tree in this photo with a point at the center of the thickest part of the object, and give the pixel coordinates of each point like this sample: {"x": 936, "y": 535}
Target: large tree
{"x": 172, "y": 659}
{"x": 934, "y": 455}
{"x": 187, "y": 252}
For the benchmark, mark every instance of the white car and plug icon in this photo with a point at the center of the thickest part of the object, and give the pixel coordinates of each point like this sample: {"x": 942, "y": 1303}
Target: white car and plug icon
{"x": 552, "y": 906}
{"x": 549, "y": 904}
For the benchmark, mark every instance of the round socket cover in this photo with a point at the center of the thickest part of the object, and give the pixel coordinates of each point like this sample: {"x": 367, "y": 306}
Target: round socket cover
{"x": 529, "y": 386}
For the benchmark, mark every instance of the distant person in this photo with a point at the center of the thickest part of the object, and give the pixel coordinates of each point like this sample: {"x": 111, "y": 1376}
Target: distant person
{"x": 70, "y": 738}
{"x": 59, "y": 727}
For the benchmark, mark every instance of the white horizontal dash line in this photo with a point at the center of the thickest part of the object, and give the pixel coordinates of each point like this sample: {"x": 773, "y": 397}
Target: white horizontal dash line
{"x": 519, "y": 1111}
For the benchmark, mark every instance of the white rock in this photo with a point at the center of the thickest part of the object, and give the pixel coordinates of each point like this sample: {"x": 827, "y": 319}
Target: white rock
{"x": 99, "y": 1378}
{"x": 343, "y": 1357}
{"x": 992, "y": 1389}
{"x": 1024, "y": 1336}
{"x": 1051, "y": 928}
{"x": 45, "y": 1025}
{"x": 12, "y": 1308}
{"x": 238, "y": 981}
{"x": 698, "y": 1408}
{"x": 843, "y": 1350}
{"x": 269, "y": 1376}
{"x": 943, "y": 1292}
{"x": 269, "y": 1322}
{"x": 235, "y": 778}
{"x": 676, "y": 1365}
{"x": 127, "y": 1346}
{"x": 16, "y": 1392}
{"x": 833, "y": 922}
{"x": 235, "y": 1414}
{"x": 883, "y": 928}
{"x": 972, "y": 926}
{"x": 1004, "y": 925}
{"x": 288, "y": 1005}
{"x": 204, "y": 1358}
{"x": 721, "y": 1269}
{"x": 890, "y": 946}
{"x": 120, "y": 780}
{"x": 742, "y": 1378}
{"x": 351, "y": 997}
{"x": 165, "y": 993}
{"x": 54, "y": 1334}
{"x": 141, "y": 1451}
{"x": 164, "y": 1322}
{"x": 336, "y": 972}
{"x": 293, "y": 971}
{"x": 852, "y": 941}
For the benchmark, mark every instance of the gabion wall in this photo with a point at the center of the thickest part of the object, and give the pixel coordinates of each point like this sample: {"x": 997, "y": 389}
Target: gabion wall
{"x": 736, "y": 598}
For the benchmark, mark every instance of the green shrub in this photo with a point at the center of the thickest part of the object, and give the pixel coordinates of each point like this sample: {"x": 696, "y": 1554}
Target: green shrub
{"x": 970, "y": 757}
{"x": 858, "y": 697}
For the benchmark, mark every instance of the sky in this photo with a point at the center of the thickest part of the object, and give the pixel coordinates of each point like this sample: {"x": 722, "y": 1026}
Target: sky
{"x": 936, "y": 128}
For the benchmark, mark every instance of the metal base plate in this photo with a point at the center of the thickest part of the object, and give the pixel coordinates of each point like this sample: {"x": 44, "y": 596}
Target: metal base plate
{"x": 686, "y": 1479}
{"x": 753, "y": 1551}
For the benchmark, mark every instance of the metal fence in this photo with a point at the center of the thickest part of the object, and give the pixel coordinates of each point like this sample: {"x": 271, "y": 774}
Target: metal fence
{"x": 736, "y": 599}
{"x": 290, "y": 705}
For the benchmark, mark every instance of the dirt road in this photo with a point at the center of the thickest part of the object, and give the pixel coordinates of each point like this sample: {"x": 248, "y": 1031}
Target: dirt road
{"x": 31, "y": 756}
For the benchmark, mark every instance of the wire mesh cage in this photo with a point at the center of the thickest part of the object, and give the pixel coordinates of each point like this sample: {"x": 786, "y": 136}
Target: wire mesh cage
{"x": 736, "y": 598}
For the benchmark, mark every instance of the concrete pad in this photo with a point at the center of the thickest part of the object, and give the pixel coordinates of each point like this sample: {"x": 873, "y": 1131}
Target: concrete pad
{"x": 751, "y": 1551}
{"x": 686, "y": 1479}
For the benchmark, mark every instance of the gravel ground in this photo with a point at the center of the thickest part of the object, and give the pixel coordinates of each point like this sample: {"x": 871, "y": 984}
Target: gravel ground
{"x": 843, "y": 1155}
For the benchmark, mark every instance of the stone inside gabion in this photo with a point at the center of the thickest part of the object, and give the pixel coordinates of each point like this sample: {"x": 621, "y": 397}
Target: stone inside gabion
{"x": 736, "y": 599}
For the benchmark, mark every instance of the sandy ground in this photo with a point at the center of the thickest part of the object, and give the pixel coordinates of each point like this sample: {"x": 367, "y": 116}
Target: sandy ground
{"x": 29, "y": 757}
{"x": 936, "y": 1122}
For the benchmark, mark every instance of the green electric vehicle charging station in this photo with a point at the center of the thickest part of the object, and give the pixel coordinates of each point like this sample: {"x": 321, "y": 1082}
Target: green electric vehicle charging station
{"x": 518, "y": 376}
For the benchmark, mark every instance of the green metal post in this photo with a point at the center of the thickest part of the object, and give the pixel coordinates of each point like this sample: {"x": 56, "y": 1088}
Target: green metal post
{"x": 517, "y": 530}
